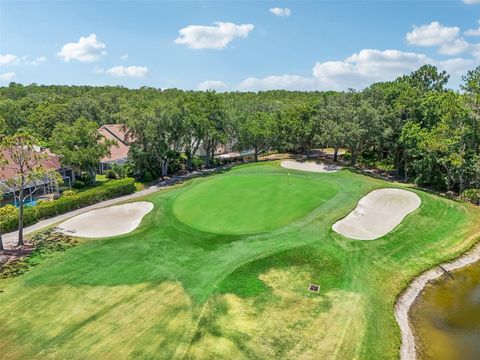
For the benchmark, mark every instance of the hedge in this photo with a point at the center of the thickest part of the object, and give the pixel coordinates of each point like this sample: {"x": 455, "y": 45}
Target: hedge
{"x": 109, "y": 190}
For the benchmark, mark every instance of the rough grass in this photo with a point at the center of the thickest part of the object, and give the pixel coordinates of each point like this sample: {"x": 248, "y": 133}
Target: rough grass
{"x": 169, "y": 290}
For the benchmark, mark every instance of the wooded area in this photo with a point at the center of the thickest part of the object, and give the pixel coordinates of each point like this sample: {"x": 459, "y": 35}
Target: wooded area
{"x": 413, "y": 125}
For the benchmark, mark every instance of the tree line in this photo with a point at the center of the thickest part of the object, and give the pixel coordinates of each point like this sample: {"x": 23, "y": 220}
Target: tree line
{"x": 413, "y": 125}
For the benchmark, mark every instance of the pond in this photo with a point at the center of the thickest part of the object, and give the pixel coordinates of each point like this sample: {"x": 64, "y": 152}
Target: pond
{"x": 446, "y": 316}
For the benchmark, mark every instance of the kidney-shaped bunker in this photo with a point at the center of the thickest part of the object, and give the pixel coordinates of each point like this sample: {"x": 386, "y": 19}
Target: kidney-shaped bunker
{"x": 377, "y": 213}
{"x": 108, "y": 221}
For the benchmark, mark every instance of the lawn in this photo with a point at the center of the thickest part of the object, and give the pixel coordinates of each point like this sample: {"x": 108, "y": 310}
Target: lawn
{"x": 220, "y": 269}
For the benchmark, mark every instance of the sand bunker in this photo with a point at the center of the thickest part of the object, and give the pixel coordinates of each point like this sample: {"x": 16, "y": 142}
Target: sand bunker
{"x": 377, "y": 213}
{"x": 309, "y": 166}
{"x": 109, "y": 221}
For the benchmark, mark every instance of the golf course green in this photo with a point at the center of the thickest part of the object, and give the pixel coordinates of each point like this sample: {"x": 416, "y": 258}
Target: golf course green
{"x": 220, "y": 268}
{"x": 250, "y": 203}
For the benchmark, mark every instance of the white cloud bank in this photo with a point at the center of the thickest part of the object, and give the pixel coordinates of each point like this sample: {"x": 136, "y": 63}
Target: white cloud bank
{"x": 87, "y": 49}
{"x": 471, "y": 2}
{"x": 131, "y": 71}
{"x": 8, "y": 59}
{"x": 7, "y": 76}
{"x": 212, "y": 85}
{"x": 285, "y": 12}
{"x": 357, "y": 71}
{"x": 212, "y": 37}
{"x": 283, "y": 82}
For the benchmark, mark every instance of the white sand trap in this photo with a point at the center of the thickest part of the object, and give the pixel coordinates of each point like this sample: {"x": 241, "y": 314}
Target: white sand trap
{"x": 309, "y": 166}
{"x": 108, "y": 221}
{"x": 377, "y": 213}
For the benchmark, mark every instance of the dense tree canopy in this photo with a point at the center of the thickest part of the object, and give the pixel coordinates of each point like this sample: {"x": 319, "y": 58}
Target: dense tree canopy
{"x": 413, "y": 125}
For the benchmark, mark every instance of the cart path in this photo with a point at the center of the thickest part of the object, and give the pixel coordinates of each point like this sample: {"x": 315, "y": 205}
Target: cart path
{"x": 10, "y": 239}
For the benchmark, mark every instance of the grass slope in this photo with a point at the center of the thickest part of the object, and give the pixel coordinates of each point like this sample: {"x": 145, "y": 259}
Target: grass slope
{"x": 169, "y": 290}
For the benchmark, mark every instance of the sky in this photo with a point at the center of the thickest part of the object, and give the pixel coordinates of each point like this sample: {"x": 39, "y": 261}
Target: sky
{"x": 235, "y": 45}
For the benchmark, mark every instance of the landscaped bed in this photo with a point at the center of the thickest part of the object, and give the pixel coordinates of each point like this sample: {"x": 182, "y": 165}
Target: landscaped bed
{"x": 222, "y": 267}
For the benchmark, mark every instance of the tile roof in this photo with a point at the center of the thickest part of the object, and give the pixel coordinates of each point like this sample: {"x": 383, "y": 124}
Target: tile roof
{"x": 10, "y": 170}
{"x": 118, "y": 133}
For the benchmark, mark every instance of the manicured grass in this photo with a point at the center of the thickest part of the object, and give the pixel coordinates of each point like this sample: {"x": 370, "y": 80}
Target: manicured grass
{"x": 242, "y": 204}
{"x": 169, "y": 290}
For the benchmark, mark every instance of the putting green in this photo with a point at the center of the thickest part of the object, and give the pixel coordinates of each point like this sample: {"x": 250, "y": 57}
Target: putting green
{"x": 245, "y": 204}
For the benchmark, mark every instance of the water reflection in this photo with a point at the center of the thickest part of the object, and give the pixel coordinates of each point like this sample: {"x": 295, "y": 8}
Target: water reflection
{"x": 446, "y": 317}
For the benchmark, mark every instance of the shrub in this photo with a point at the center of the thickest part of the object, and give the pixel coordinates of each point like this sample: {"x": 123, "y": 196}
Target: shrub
{"x": 78, "y": 184}
{"x": 87, "y": 179}
{"x": 64, "y": 204}
{"x": 69, "y": 193}
{"x": 8, "y": 210}
{"x": 147, "y": 176}
{"x": 110, "y": 174}
{"x": 197, "y": 162}
{"x": 472, "y": 195}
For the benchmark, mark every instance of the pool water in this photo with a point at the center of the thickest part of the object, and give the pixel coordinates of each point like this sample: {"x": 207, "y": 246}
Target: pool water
{"x": 446, "y": 317}
{"x": 27, "y": 203}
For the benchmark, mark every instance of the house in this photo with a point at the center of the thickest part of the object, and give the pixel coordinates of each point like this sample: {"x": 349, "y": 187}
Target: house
{"x": 42, "y": 187}
{"x": 119, "y": 152}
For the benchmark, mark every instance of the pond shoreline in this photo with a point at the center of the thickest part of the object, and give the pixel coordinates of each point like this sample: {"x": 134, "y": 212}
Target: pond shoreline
{"x": 410, "y": 294}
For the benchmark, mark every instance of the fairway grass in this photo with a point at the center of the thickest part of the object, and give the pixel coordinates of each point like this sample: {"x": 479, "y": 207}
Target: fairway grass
{"x": 196, "y": 282}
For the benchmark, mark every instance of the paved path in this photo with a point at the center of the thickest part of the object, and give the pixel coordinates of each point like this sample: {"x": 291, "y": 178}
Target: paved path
{"x": 10, "y": 239}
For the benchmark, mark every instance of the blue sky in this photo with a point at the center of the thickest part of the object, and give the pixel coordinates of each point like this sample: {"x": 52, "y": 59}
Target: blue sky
{"x": 227, "y": 45}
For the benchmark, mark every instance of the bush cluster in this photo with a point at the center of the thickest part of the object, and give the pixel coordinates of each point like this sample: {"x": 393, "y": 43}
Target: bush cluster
{"x": 472, "y": 195}
{"x": 109, "y": 190}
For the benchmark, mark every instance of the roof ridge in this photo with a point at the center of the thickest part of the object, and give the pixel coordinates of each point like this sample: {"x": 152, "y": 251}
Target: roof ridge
{"x": 114, "y": 135}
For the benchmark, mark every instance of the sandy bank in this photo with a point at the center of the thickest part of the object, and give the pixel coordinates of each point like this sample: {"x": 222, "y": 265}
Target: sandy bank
{"x": 377, "y": 213}
{"x": 309, "y": 166}
{"x": 108, "y": 221}
{"x": 405, "y": 301}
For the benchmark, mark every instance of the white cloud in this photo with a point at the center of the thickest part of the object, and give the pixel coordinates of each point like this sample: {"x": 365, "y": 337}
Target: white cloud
{"x": 285, "y": 12}
{"x": 283, "y": 82}
{"x": 456, "y": 67}
{"x": 87, "y": 49}
{"x": 124, "y": 57}
{"x": 7, "y": 76}
{"x": 36, "y": 61}
{"x": 359, "y": 71}
{"x": 432, "y": 34}
{"x": 454, "y": 47}
{"x": 8, "y": 59}
{"x": 446, "y": 38}
{"x": 133, "y": 71}
{"x": 473, "y": 32}
{"x": 212, "y": 37}
{"x": 212, "y": 85}
{"x": 367, "y": 66}
{"x": 470, "y": 2}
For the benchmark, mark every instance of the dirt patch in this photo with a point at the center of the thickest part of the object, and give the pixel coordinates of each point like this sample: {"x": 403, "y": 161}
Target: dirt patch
{"x": 291, "y": 323}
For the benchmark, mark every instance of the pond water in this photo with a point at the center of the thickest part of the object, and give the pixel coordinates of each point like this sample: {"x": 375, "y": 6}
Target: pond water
{"x": 446, "y": 317}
